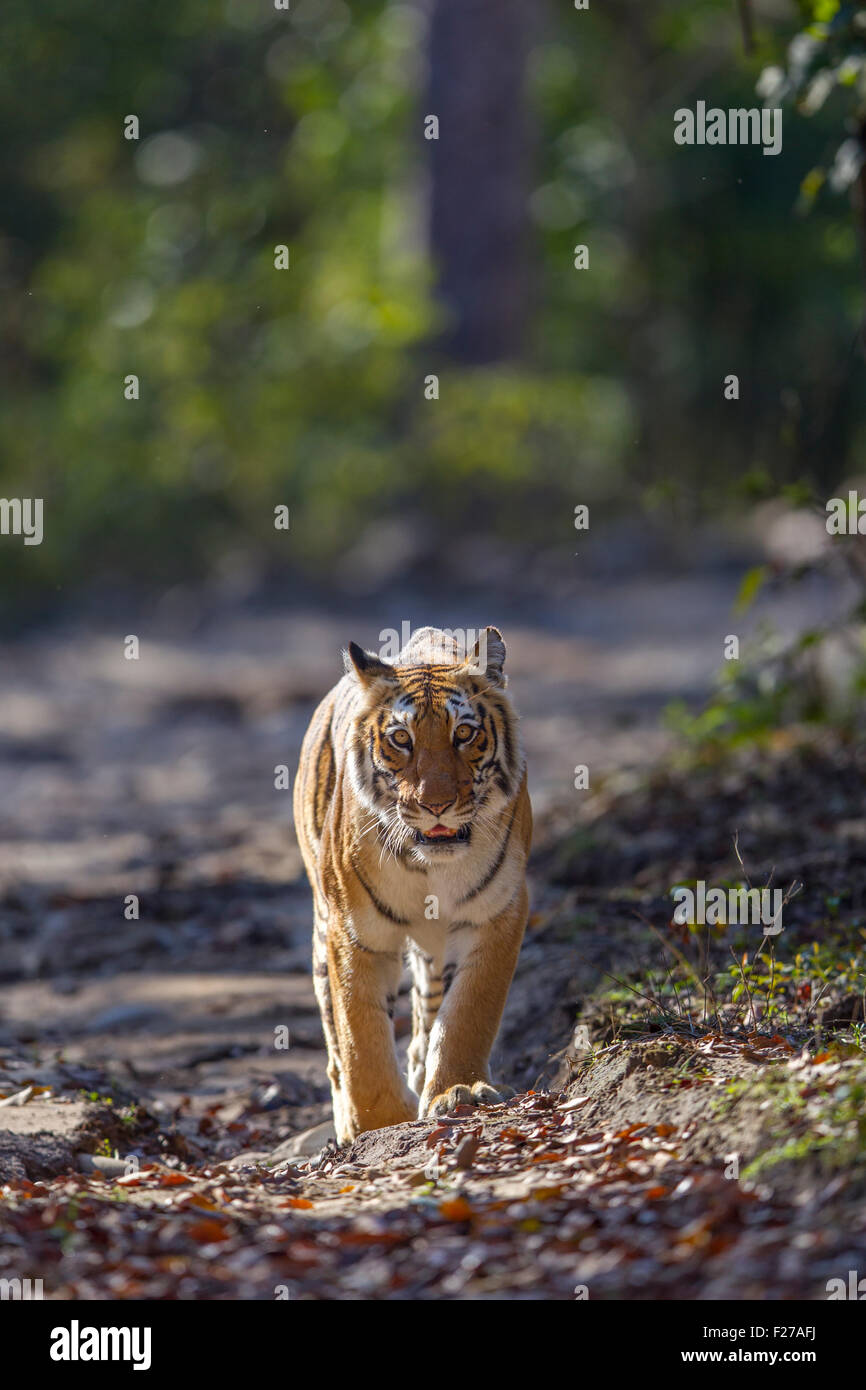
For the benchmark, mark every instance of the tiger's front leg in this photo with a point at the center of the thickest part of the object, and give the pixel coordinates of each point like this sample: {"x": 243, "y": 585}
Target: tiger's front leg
{"x": 458, "y": 1057}
{"x": 364, "y": 985}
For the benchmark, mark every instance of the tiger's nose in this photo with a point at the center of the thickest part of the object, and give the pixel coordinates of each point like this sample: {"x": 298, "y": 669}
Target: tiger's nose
{"x": 436, "y": 807}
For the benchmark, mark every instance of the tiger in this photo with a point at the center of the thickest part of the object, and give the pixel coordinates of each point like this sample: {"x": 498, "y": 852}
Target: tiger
{"x": 414, "y": 823}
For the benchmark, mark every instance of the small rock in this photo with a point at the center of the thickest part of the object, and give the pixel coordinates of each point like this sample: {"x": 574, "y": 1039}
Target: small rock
{"x": 99, "y": 1163}
{"x": 250, "y": 1158}
{"x": 305, "y": 1144}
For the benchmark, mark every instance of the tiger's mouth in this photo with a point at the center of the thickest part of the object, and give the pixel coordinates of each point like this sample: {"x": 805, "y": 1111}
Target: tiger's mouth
{"x": 442, "y": 836}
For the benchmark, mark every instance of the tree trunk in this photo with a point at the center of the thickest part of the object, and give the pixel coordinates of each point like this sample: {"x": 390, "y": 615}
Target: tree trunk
{"x": 858, "y": 200}
{"x": 478, "y": 211}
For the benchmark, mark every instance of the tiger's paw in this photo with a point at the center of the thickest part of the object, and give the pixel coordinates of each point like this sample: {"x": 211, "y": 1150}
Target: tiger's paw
{"x": 395, "y": 1109}
{"x": 480, "y": 1093}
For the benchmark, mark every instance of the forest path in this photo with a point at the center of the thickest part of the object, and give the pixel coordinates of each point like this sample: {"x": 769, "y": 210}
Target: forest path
{"x": 155, "y": 778}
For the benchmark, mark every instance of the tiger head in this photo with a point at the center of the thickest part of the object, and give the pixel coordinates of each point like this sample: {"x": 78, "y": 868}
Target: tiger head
{"x": 434, "y": 753}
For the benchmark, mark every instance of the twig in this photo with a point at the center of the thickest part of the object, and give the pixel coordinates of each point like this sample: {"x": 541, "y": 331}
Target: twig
{"x": 683, "y": 960}
{"x": 740, "y": 858}
{"x": 656, "y": 1003}
{"x": 813, "y": 1003}
{"x": 748, "y": 992}
{"x": 790, "y": 893}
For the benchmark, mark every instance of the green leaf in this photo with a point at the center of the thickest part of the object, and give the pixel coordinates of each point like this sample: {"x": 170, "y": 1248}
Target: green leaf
{"x": 826, "y": 9}
{"x": 753, "y": 582}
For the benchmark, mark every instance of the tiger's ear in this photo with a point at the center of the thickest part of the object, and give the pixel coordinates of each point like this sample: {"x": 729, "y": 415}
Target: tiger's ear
{"x": 488, "y": 657}
{"x": 365, "y": 665}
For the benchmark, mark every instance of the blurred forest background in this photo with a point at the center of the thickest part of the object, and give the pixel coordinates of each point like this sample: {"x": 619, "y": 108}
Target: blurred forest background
{"x": 154, "y": 916}
{"x": 305, "y": 387}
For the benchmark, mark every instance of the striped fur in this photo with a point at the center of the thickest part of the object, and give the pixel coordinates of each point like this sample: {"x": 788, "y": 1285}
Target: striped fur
{"x": 414, "y": 822}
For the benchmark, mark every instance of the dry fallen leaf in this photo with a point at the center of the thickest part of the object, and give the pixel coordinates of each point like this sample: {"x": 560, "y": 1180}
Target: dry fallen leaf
{"x": 467, "y": 1149}
{"x": 576, "y": 1103}
{"x": 458, "y": 1209}
{"x": 207, "y": 1232}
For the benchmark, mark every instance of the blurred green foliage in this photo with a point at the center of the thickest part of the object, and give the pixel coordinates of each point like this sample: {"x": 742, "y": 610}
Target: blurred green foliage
{"x": 305, "y": 386}
{"x": 825, "y": 62}
{"x": 816, "y": 677}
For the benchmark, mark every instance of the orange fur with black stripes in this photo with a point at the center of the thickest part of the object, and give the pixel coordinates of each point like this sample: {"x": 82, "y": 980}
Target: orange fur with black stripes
{"x": 414, "y": 822}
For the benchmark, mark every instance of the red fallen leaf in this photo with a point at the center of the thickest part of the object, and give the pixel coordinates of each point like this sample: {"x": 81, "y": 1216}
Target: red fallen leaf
{"x": 548, "y": 1157}
{"x": 371, "y": 1238}
{"x": 458, "y": 1209}
{"x": 196, "y": 1199}
{"x": 663, "y": 1131}
{"x": 435, "y": 1135}
{"x": 172, "y": 1179}
{"x": 654, "y": 1193}
{"x": 719, "y": 1244}
{"x": 135, "y": 1179}
{"x": 297, "y": 1202}
{"x": 207, "y": 1232}
{"x": 29, "y": 1189}
{"x": 804, "y": 992}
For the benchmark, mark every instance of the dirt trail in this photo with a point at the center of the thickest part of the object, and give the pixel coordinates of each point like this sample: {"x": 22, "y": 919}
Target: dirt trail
{"x": 156, "y": 778}
{"x": 155, "y": 1038}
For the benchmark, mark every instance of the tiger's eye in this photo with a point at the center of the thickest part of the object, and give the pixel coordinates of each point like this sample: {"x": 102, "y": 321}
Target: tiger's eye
{"x": 464, "y": 732}
{"x": 400, "y": 737}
